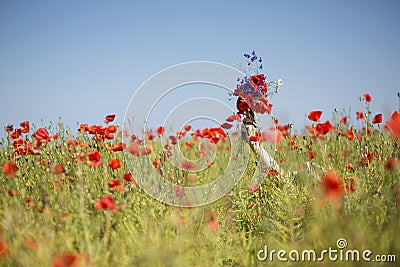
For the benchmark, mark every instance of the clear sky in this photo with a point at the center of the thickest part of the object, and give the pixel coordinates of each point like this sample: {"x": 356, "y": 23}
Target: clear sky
{"x": 82, "y": 60}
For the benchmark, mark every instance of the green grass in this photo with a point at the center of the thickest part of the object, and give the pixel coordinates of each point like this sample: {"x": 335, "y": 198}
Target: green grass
{"x": 288, "y": 212}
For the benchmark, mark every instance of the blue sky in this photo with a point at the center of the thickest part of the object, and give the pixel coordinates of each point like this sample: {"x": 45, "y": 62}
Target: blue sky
{"x": 82, "y": 60}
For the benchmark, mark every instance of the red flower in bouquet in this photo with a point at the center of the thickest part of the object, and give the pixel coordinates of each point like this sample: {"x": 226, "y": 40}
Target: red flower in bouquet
{"x": 253, "y": 93}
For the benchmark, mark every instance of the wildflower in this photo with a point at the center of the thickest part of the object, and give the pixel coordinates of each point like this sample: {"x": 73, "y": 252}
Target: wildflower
{"x": 10, "y": 169}
{"x": 377, "y": 118}
{"x": 109, "y": 118}
{"x": 29, "y": 202}
{"x": 106, "y": 203}
{"x": 42, "y": 134}
{"x": 188, "y": 166}
{"x": 156, "y": 163}
{"x": 241, "y": 105}
{"x": 114, "y": 183}
{"x": 393, "y": 125}
{"x": 352, "y": 182}
{"x": 323, "y": 128}
{"x": 189, "y": 144}
{"x": 127, "y": 177}
{"x": 192, "y": 179}
{"x": 367, "y": 97}
{"x": 231, "y": 118}
{"x": 15, "y": 134}
{"x": 332, "y": 185}
{"x": 271, "y": 135}
{"x": 273, "y": 173}
{"x": 280, "y": 82}
{"x": 25, "y": 126}
{"x": 226, "y": 125}
{"x": 254, "y": 138}
{"x": 349, "y": 166}
{"x": 343, "y": 120}
{"x": 94, "y": 158}
{"x": 4, "y": 251}
{"x": 111, "y": 129}
{"x": 212, "y": 220}
{"x": 114, "y": 164}
{"x": 314, "y": 115}
{"x": 83, "y": 128}
{"x": 29, "y": 243}
{"x": 173, "y": 139}
{"x": 360, "y": 115}
{"x": 187, "y": 128}
{"x": 118, "y": 147}
{"x": 160, "y": 130}
{"x": 70, "y": 260}
{"x": 180, "y": 191}
{"x": 253, "y": 188}
{"x": 391, "y": 163}
{"x": 57, "y": 169}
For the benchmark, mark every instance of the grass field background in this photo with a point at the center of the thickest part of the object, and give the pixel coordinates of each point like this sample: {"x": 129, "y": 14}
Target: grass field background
{"x": 62, "y": 204}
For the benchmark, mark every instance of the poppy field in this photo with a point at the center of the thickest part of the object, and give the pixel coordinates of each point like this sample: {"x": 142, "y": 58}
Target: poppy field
{"x": 68, "y": 199}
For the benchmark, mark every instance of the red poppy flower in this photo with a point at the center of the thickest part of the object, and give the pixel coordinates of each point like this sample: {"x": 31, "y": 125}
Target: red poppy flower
{"x": 118, "y": 147}
{"x": 109, "y": 118}
{"x": 42, "y": 134}
{"x": 114, "y": 164}
{"x": 160, "y": 130}
{"x": 127, "y": 177}
{"x": 323, "y": 128}
{"x": 180, "y": 191}
{"x": 241, "y": 105}
{"x": 258, "y": 80}
{"x": 94, "y": 158}
{"x": 173, "y": 139}
{"x": 133, "y": 149}
{"x": 147, "y": 150}
{"x": 187, "y": 128}
{"x": 253, "y": 188}
{"x": 393, "y": 125}
{"x": 70, "y": 260}
{"x": 226, "y": 125}
{"x": 343, "y": 120}
{"x": 4, "y": 251}
{"x": 212, "y": 220}
{"x": 114, "y": 183}
{"x": 254, "y": 138}
{"x": 10, "y": 169}
{"x": 188, "y": 166}
{"x": 350, "y": 166}
{"x": 106, "y": 203}
{"x": 214, "y": 140}
{"x": 391, "y": 163}
{"x": 181, "y": 133}
{"x": 231, "y": 118}
{"x": 315, "y": 115}
{"x": 189, "y": 144}
{"x": 271, "y": 135}
{"x": 25, "y": 126}
{"x": 367, "y": 97}
{"x": 112, "y": 129}
{"x": 360, "y": 115}
{"x": 332, "y": 185}
{"x": 57, "y": 169}
{"x": 83, "y": 128}
{"x": 377, "y": 118}
{"x": 29, "y": 243}
{"x": 311, "y": 154}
